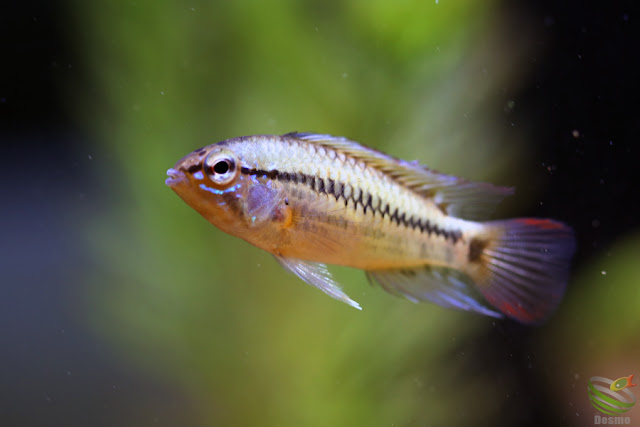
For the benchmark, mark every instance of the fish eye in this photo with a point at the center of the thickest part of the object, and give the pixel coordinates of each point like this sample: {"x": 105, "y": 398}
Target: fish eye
{"x": 220, "y": 167}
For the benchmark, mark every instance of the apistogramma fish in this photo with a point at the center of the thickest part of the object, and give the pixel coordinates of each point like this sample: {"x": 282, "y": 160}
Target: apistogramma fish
{"x": 312, "y": 200}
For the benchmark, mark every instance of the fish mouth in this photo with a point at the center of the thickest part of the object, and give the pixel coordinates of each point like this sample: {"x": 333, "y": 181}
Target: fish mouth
{"x": 175, "y": 177}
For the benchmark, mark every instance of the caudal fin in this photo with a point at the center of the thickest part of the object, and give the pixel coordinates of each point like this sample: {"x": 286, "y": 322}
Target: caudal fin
{"x": 524, "y": 268}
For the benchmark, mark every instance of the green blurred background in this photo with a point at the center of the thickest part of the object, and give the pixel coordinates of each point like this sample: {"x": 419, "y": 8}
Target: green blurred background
{"x": 125, "y": 307}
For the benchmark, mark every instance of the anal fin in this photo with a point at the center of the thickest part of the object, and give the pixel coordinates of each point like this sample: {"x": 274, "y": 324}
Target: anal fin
{"x": 443, "y": 286}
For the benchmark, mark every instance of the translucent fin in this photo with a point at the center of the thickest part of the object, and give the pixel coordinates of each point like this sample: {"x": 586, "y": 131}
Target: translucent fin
{"x": 526, "y": 268}
{"x": 443, "y": 286}
{"x": 261, "y": 203}
{"x": 317, "y": 275}
{"x": 455, "y": 196}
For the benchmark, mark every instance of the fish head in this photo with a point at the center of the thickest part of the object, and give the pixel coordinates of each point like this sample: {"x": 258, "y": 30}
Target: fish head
{"x": 209, "y": 180}
{"x": 221, "y": 182}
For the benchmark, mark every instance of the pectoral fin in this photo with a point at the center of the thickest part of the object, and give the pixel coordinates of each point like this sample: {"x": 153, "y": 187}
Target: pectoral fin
{"x": 262, "y": 204}
{"x": 443, "y": 286}
{"x": 317, "y": 275}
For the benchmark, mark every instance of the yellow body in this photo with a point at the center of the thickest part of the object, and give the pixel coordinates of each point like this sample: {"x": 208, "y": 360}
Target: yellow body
{"x": 320, "y": 199}
{"x": 317, "y": 226}
{"x": 323, "y": 229}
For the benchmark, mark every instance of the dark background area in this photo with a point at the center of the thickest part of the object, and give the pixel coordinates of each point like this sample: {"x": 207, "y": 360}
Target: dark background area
{"x": 53, "y": 371}
{"x": 579, "y": 93}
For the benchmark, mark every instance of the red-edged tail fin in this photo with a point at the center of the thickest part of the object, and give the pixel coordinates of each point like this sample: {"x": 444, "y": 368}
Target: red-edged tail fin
{"x": 524, "y": 266}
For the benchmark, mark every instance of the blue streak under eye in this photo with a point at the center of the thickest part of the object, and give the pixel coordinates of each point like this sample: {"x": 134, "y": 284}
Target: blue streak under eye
{"x": 198, "y": 175}
{"x": 214, "y": 191}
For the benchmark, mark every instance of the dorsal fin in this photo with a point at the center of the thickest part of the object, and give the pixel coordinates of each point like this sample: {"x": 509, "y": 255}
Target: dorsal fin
{"x": 455, "y": 196}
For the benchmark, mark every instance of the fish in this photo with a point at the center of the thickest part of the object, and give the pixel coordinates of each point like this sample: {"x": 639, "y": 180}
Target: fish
{"x": 313, "y": 200}
{"x": 622, "y": 383}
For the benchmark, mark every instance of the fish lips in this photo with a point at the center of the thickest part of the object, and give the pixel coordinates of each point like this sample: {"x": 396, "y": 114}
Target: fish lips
{"x": 175, "y": 177}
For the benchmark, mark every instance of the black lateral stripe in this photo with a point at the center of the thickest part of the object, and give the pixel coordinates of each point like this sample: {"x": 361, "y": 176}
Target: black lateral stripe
{"x": 310, "y": 181}
{"x": 357, "y": 196}
{"x": 337, "y": 189}
{"x": 366, "y": 202}
{"x": 329, "y": 186}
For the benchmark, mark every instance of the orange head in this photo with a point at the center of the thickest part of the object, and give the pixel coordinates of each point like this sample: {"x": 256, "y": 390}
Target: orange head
{"x": 229, "y": 185}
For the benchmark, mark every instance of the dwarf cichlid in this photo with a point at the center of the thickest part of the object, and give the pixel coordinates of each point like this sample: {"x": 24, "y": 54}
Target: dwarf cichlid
{"x": 312, "y": 200}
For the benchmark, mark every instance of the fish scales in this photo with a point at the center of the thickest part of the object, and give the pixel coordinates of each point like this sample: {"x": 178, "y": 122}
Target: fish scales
{"x": 312, "y": 199}
{"x": 403, "y": 216}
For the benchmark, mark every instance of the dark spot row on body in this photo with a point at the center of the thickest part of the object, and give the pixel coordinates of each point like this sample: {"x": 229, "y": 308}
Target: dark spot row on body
{"x": 337, "y": 189}
{"x": 358, "y": 197}
{"x": 272, "y": 174}
{"x": 476, "y": 247}
{"x": 309, "y": 181}
{"x": 366, "y": 203}
{"x": 330, "y": 185}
